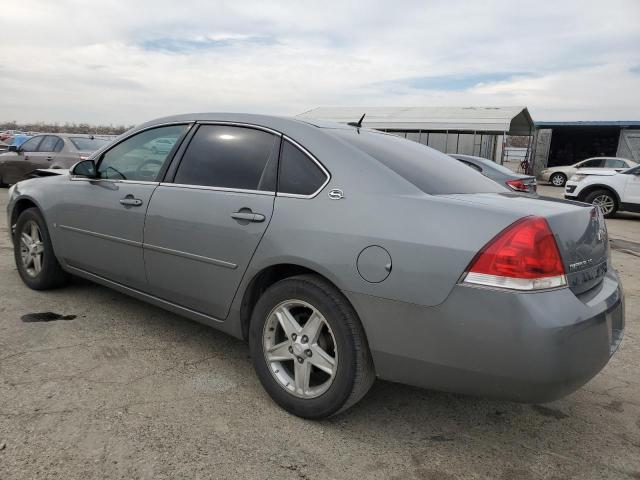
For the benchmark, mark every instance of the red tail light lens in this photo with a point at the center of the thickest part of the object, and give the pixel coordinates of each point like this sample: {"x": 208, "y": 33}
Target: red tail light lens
{"x": 524, "y": 256}
{"x": 518, "y": 186}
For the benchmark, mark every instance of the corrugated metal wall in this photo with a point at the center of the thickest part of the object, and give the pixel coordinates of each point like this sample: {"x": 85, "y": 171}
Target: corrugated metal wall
{"x": 629, "y": 145}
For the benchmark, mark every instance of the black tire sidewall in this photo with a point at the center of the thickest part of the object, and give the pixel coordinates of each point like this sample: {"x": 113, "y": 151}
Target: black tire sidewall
{"x": 334, "y": 312}
{"x": 46, "y": 277}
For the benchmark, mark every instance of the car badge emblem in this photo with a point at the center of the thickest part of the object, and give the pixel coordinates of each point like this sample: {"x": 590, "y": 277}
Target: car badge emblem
{"x": 336, "y": 194}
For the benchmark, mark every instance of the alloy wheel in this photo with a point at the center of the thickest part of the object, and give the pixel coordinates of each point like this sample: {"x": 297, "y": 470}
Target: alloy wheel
{"x": 31, "y": 248}
{"x": 605, "y": 202}
{"x": 557, "y": 180}
{"x": 300, "y": 349}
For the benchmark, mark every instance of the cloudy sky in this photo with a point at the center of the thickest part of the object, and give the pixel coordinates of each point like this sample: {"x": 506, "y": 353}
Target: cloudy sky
{"x": 128, "y": 61}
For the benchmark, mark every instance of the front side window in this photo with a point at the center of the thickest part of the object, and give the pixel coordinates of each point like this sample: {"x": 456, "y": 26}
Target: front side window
{"x": 230, "y": 157}
{"x": 134, "y": 158}
{"x": 48, "y": 144}
{"x": 31, "y": 145}
{"x": 299, "y": 175}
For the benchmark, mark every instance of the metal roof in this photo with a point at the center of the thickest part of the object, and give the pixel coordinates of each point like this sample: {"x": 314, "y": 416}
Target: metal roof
{"x": 591, "y": 123}
{"x": 514, "y": 120}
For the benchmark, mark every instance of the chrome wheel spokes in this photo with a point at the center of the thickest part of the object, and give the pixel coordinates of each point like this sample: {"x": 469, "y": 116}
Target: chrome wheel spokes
{"x": 605, "y": 202}
{"x": 300, "y": 349}
{"x": 31, "y": 248}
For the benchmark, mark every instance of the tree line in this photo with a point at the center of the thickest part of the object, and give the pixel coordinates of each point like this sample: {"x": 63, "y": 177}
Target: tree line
{"x": 64, "y": 128}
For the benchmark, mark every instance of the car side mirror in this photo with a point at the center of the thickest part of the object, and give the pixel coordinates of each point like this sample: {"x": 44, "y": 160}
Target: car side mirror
{"x": 85, "y": 168}
{"x": 13, "y": 148}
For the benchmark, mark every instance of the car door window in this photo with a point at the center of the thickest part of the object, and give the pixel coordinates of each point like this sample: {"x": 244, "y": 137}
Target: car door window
{"x": 135, "y": 159}
{"x": 593, "y": 163}
{"x": 298, "y": 174}
{"x": 48, "y": 144}
{"x": 614, "y": 163}
{"x": 31, "y": 145}
{"x": 58, "y": 146}
{"x": 230, "y": 157}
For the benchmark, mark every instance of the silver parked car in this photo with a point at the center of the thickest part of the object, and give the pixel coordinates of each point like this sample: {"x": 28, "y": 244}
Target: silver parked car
{"x": 339, "y": 253}
{"x": 499, "y": 173}
{"x": 558, "y": 176}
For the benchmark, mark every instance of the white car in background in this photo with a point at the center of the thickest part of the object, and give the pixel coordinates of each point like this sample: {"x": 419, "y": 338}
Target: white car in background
{"x": 558, "y": 176}
{"x": 608, "y": 189}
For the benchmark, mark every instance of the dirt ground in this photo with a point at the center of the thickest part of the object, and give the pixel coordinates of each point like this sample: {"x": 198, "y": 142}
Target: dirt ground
{"x": 126, "y": 390}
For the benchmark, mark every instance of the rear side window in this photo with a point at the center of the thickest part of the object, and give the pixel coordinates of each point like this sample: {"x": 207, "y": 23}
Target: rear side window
{"x": 230, "y": 157}
{"x": 615, "y": 163}
{"x": 431, "y": 171}
{"x": 48, "y": 144}
{"x": 299, "y": 174}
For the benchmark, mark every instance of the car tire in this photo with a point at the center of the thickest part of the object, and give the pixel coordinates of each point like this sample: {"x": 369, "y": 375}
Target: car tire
{"x": 341, "y": 339}
{"x": 45, "y": 273}
{"x": 558, "y": 179}
{"x": 605, "y": 199}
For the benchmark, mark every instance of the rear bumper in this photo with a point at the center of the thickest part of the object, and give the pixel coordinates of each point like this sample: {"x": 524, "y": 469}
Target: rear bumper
{"x": 528, "y": 347}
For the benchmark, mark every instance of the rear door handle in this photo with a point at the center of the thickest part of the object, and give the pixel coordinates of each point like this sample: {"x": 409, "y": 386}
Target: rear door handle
{"x": 130, "y": 201}
{"x": 49, "y": 158}
{"x": 248, "y": 216}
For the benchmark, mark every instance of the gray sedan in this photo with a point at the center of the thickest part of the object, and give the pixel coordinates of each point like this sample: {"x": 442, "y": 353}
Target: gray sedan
{"x": 499, "y": 173}
{"x": 46, "y": 151}
{"x": 340, "y": 254}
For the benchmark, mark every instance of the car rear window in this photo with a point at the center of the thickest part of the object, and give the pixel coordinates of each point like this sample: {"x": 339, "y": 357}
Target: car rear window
{"x": 431, "y": 171}
{"x": 88, "y": 144}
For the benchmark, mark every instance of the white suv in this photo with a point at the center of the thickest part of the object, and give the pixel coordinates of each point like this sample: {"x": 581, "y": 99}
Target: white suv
{"x": 610, "y": 190}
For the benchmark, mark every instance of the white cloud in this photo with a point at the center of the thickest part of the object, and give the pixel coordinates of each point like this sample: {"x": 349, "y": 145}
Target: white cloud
{"x": 126, "y": 62}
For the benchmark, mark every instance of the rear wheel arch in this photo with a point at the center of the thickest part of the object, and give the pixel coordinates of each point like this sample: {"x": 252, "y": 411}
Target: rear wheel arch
{"x": 262, "y": 280}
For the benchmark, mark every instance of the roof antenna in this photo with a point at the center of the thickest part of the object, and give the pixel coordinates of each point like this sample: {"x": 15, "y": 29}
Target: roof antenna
{"x": 357, "y": 124}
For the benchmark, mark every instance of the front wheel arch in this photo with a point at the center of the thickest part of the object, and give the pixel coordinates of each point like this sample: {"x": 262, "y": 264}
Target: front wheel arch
{"x": 592, "y": 188}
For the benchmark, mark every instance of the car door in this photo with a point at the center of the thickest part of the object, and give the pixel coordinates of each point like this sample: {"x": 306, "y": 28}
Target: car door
{"x": 632, "y": 188}
{"x": 205, "y": 222}
{"x": 100, "y": 221}
{"x": 15, "y": 165}
{"x": 46, "y": 152}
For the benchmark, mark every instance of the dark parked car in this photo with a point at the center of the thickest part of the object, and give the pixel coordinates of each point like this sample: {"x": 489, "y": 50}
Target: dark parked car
{"x": 499, "y": 173}
{"x": 46, "y": 151}
{"x": 340, "y": 254}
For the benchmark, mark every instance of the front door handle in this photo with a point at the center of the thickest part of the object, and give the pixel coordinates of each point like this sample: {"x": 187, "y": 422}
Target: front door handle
{"x": 130, "y": 201}
{"x": 49, "y": 158}
{"x": 248, "y": 215}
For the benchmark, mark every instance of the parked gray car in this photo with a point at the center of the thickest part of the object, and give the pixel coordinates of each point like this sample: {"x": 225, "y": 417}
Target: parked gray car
{"x": 46, "y": 151}
{"x": 499, "y": 173}
{"x": 340, "y": 254}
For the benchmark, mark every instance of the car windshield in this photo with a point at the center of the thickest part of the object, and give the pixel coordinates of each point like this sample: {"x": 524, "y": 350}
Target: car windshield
{"x": 431, "y": 171}
{"x": 87, "y": 143}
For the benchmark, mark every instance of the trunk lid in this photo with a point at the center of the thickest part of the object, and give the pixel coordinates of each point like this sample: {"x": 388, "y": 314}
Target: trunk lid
{"x": 579, "y": 230}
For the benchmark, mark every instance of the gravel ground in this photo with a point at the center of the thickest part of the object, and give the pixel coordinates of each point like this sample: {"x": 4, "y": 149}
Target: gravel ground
{"x": 126, "y": 390}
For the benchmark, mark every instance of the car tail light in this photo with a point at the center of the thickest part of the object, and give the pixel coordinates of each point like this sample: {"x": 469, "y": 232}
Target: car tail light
{"x": 519, "y": 186}
{"x": 524, "y": 256}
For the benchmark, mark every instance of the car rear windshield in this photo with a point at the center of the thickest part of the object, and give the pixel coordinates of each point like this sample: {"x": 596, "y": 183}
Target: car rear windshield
{"x": 431, "y": 171}
{"x": 88, "y": 144}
